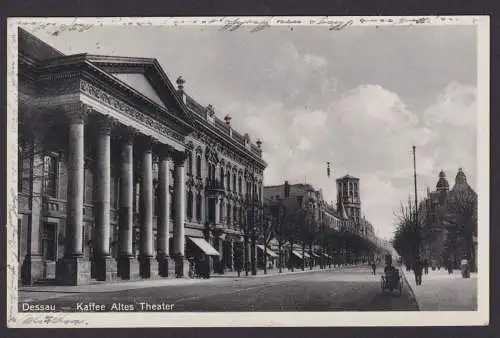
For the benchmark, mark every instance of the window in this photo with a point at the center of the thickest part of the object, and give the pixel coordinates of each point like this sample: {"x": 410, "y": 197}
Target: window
{"x": 234, "y": 182}
{"x": 235, "y": 215}
{"x": 88, "y": 183}
{"x": 189, "y": 206}
{"x": 24, "y": 173}
{"x": 228, "y": 216}
{"x": 222, "y": 177}
{"x": 198, "y": 207}
{"x": 189, "y": 163}
{"x": 50, "y": 176}
{"x": 198, "y": 166}
{"x": 156, "y": 189}
{"x": 115, "y": 193}
{"x": 172, "y": 205}
{"x": 49, "y": 251}
{"x": 228, "y": 180}
{"x": 240, "y": 186}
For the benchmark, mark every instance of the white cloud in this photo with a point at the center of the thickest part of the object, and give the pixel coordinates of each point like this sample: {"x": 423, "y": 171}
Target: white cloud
{"x": 396, "y": 86}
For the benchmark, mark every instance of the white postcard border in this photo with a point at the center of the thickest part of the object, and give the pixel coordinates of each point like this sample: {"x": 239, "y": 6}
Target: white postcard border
{"x": 236, "y": 319}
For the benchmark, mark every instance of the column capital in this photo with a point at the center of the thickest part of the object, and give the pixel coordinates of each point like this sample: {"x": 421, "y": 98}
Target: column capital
{"x": 179, "y": 158}
{"x": 105, "y": 124}
{"x": 163, "y": 151}
{"x": 77, "y": 112}
{"x": 127, "y": 134}
{"x": 145, "y": 142}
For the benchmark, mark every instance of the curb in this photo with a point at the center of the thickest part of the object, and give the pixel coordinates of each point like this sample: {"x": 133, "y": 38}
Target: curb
{"x": 186, "y": 281}
{"x": 411, "y": 293}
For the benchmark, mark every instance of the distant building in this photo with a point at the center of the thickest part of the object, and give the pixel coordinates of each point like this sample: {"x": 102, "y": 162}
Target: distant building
{"x": 348, "y": 197}
{"x": 439, "y": 242}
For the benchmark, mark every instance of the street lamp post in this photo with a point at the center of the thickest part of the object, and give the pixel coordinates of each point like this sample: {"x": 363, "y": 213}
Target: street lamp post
{"x": 417, "y": 227}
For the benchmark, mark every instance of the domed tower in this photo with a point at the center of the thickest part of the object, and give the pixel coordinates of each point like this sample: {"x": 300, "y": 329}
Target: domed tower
{"x": 460, "y": 178}
{"x": 442, "y": 184}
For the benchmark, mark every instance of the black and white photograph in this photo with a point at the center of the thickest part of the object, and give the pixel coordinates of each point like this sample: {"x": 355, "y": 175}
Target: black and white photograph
{"x": 248, "y": 171}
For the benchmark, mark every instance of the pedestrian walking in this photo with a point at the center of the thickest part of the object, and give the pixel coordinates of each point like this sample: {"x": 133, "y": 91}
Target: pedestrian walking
{"x": 426, "y": 267}
{"x": 417, "y": 269}
{"x": 374, "y": 268}
{"x": 450, "y": 267}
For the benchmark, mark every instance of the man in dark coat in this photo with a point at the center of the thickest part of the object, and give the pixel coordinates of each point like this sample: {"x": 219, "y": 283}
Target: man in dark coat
{"x": 417, "y": 268}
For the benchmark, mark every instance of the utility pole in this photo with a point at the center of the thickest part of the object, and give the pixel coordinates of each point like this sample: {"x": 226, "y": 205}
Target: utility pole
{"x": 417, "y": 229}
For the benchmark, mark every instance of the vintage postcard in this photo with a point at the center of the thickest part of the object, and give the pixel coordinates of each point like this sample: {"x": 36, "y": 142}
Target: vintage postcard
{"x": 248, "y": 171}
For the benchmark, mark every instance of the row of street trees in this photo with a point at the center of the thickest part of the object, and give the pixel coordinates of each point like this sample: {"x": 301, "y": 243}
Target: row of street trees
{"x": 288, "y": 223}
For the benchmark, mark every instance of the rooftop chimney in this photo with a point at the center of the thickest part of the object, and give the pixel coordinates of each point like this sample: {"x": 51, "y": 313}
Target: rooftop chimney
{"x": 259, "y": 144}
{"x": 287, "y": 189}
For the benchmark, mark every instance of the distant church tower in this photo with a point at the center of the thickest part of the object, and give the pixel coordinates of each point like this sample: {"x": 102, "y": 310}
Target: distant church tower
{"x": 348, "y": 196}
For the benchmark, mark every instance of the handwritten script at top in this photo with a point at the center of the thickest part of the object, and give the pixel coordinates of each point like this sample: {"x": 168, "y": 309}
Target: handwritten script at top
{"x": 230, "y": 25}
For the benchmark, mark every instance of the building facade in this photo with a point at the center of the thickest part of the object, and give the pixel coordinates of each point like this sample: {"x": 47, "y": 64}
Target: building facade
{"x": 439, "y": 222}
{"x": 308, "y": 199}
{"x": 349, "y": 198}
{"x": 123, "y": 175}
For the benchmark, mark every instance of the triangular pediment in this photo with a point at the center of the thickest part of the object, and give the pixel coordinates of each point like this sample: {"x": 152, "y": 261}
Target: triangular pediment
{"x": 146, "y": 77}
{"x": 140, "y": 83}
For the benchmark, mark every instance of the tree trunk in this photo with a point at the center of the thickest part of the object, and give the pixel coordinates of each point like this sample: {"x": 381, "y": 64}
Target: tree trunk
{"x": 311, "y": 260}
{"x": 303, "y": 256}
{"x": 265, "y": 257}
{"x": 280, "y": 257}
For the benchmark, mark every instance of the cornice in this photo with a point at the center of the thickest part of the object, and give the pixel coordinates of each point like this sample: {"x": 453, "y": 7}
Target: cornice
{"x": 220, "y": 136}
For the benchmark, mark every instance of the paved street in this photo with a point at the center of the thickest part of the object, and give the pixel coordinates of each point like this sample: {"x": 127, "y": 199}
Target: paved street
{"x": 344, "y": 289}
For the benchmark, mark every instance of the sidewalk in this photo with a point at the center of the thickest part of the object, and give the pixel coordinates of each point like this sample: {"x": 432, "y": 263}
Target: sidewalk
{"x": 44, "y": 292}
{"x": 440, "y": 291}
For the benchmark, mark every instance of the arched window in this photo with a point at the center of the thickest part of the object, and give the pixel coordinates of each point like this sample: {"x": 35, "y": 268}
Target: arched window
{"x": 228, "y": 216}
{"x": 228, "y": 180}
{"x": 198, "y": 207}
{"x": 240, "y": 186}
{"x": 234, "y": 182}
{"x": 189, "y": 206}
{"x": 235, "y": 215}
{"x": 189, "y": 162}
{"x": 221, "y": 177}
{"x": 198, "y": 166}
{"x": 50, "y": 174}
{"x": 221, "y": 211}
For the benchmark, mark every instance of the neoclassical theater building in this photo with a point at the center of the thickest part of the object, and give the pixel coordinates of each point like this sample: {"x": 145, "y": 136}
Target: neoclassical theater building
{"x": 122, "y": 175}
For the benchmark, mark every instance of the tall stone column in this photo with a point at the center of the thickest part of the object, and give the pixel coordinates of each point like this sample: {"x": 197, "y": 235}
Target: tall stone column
{"x": 163, "y": 214}
{"x": 180, "y": 207}
{"x": 146, "y": 232}
{"x": 105, "y": 264}
{"x": 127, "y": 264}
{"x": 74, "y": 268}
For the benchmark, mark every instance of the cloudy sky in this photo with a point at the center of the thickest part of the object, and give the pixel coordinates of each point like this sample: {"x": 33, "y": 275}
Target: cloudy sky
{"x": 358, "y": 98}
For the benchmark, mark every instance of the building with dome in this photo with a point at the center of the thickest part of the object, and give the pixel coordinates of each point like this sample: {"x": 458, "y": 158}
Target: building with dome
{"x": 443, "y": 215}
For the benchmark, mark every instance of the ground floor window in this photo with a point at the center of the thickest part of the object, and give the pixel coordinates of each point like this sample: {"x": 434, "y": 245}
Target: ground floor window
{"x": 49, "y": 244}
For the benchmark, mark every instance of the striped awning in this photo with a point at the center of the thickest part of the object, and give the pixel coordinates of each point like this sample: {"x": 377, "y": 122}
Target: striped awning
{"x": 297, "y": 254}
{"x": 269, "y": 252}
{"x": 204, "y": 246}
